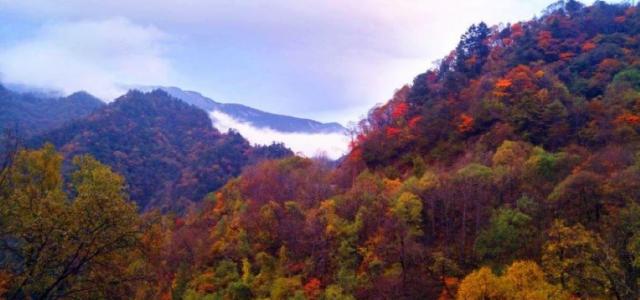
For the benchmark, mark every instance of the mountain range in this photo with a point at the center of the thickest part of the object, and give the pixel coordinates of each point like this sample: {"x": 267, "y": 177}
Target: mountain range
{"x": 256, "y": 118}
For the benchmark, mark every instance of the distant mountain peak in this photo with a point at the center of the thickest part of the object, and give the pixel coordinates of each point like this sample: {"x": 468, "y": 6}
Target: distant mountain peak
{"x": 252, "y": 116}
{"x": 31, "y": 112}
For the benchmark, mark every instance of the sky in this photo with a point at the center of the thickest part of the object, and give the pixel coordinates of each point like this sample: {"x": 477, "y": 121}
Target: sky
{"x": 329, "y": 60}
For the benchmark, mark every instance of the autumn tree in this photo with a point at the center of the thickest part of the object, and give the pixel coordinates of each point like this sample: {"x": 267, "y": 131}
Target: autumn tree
{"x": 582, "y": 263}
{"x": 59, "y": 248}
{"x": 578, "y": 198}
{"x": 521, "y": 280}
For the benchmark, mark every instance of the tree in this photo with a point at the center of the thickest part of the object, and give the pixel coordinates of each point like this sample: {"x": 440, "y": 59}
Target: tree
{"x": 508, "y": 237}
{"x": 526, "y": 280}
{"x": 480, "y": 284}
{"x": 582, "y": 263}
{"x": 578, "y": 198}
{"x": 60, "y": 248}
{"x": 522, "y": 280}
{"x": 472, "y": 186}
{"x": 472, "y": 51}
{"x": 407, "y": 212}
{"x": 624, "y": 238}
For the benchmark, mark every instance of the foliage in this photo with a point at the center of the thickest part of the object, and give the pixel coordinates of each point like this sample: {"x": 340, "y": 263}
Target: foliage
{"x": 519, "y": 148}
{"x": 522, "y": 280}
{"x": 167, "y": 150}
{"x": 54, "y": 247}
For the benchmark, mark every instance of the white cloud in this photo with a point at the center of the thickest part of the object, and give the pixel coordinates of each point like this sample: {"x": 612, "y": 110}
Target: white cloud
{"x": 88, "y": 55}
{"x": 327, "y": 58}
{"x": 333, "y": 145}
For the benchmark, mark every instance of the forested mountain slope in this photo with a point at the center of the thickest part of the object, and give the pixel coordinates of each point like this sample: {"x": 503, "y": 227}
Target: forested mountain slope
{"x": 167, "y": 150}
{"x": 568, "y": 78}
{"x": 511, "y": 170}
{"x": 30, "y": 114}
{"x": 516, "y": 157}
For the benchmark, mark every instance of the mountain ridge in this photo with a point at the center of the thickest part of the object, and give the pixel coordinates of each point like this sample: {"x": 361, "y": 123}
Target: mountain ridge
{"x": 255, "y": 117}
{"x": 168, "y": 150}
{"x": 33, "y": 113}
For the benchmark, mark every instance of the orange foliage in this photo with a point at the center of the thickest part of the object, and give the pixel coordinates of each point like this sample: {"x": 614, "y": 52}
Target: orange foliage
{"x": 519, "y": 79}
{"x": 588, "y": 46}
{"x": 414, "y": 122}
{"x": 450, "y": 284}
{"x": 629, "y": 119}
{"x": 312, "y": 288}
{"x": 567, "y": 55}
{"x": 355, "y": 155}
{"x": 466, "y": 123}
{"x": 516, "y": 31}
{"x": 609, "y": 65}
{"x": 522, "y": 78}
{"x": 219, "y": 203}
{"x": 503, "y": 83}
{"x": 544, "y": 39}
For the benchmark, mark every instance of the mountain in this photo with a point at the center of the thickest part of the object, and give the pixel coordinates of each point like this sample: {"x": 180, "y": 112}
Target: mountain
{"x": 255, "y": 117}
{"x": 33, "y": 113}
{"x": 167, "y": 150}
{"x": 509, "y": 171}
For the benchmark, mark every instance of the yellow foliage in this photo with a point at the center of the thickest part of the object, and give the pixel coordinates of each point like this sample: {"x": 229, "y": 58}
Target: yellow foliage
{"x": 480, "y": 284}
{"x": 511, "y": 153}
{"x": 522, "y": 280}
{"x": 525, "y": 280}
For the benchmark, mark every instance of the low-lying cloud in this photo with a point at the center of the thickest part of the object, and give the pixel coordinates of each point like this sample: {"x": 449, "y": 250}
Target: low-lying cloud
{"x": 333, "y": 145}
{"x": 91, "y": 55}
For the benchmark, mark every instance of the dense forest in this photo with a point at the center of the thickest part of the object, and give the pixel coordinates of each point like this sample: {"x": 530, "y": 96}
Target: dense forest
{"x": 168, "y": 151}
{"x": 510, "y": 170}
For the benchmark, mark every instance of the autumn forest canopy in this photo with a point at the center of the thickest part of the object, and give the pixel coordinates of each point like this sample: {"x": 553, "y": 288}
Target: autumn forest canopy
{"x": 509, "y": 170}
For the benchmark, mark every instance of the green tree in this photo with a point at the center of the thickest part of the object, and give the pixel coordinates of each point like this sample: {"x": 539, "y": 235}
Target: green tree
{"x": 58, "y": 247}
{"x": 508, "y": 237}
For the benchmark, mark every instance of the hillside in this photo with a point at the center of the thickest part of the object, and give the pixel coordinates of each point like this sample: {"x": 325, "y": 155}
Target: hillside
{"x": 167, "y": 150}
{"x": 510, "y": 170}
{"x": 32, "y": 114}
{"x": 568, "y": 78}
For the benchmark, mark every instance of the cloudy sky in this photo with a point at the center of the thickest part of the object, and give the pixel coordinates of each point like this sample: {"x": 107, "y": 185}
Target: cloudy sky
{"x": 329, "y": 60}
